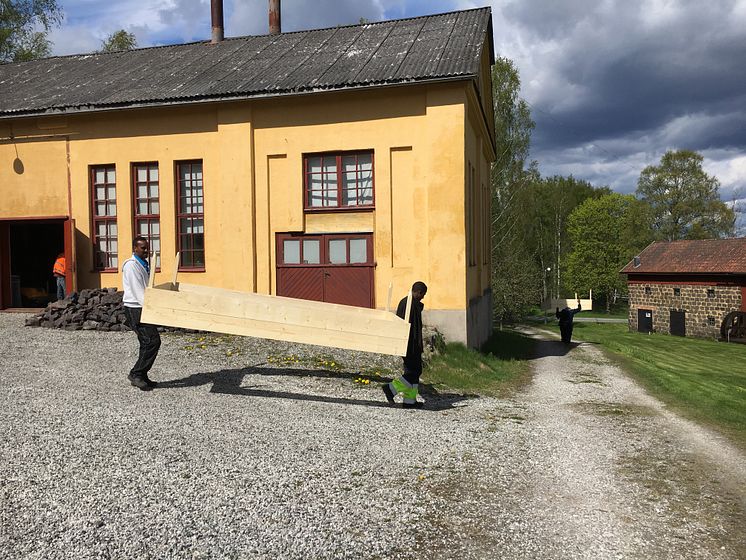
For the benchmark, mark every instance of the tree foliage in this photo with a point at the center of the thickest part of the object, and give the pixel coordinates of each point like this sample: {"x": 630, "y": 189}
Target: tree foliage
{"x": 547, "y": 204}
{"x": 606, "y": 233}
{"x": 24, "y": 25}
{"x": 684, "y": 199}
{"x": 515, "y": 279}
{"x": 119, "y": 41}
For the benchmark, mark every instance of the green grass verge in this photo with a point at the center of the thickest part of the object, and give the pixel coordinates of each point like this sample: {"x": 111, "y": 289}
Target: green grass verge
{"x": 703, "y": 379}
{"x": 601, "y": 314}
{"x": 502, "y": 365}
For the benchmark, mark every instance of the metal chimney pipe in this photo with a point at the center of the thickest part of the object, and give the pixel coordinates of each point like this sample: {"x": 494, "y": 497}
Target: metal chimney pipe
{"x": 218, "y": 32}
{"x": 275, "y": 19}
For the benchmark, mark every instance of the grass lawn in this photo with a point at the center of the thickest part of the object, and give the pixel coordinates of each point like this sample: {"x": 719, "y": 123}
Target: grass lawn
{"x": 621, "y": 313}
{"x": 502, "y": 365}
{"x": 703, "y": 379}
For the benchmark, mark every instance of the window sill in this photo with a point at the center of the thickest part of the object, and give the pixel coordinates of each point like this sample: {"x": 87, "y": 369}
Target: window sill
{"x": 334, "y": 209}
{"x": 192, "y": 269}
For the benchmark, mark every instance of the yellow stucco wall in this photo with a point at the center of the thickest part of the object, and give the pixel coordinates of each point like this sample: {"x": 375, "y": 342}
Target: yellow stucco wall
{"x": 252, "y": 155}
{"x": 33, "y": 173}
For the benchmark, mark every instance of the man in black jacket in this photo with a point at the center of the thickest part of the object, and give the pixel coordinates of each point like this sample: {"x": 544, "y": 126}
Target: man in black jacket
{"x": 565, "y": 317}
{"x": 408, "y": 384}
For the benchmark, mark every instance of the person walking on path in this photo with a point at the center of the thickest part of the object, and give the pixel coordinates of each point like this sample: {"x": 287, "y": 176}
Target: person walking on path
{"x": 408, "y": 383}
{"x": 135, "y": 272}
{"x": 565, "y": 317}
{"x": 58, "y": 270}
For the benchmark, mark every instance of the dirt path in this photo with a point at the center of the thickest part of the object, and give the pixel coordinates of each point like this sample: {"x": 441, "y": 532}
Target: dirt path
{"x": 584, "y": 464}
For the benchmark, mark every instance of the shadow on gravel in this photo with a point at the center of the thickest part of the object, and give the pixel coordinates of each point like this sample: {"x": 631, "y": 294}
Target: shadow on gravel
{"x": 546, "y": 348}
{"x": 230, "y": 382}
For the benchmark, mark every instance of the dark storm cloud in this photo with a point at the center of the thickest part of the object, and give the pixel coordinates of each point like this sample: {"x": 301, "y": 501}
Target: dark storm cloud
{"x": 613, "y": 85}
{"x": 664, "y": 72}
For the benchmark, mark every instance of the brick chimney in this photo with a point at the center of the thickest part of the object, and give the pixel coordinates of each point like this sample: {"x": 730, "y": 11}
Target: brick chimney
{"x": 218, "y": 32}
{"x": 275, "y": 20}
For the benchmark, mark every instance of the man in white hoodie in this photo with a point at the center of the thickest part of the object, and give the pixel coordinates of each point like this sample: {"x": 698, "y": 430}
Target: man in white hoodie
{"x": 135, "y": 272}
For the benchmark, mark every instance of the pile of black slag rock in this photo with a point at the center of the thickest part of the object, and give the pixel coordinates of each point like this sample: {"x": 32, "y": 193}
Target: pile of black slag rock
{"x": 98, "y": 309}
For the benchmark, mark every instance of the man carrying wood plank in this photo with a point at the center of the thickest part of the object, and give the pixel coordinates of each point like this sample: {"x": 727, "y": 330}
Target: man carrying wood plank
{"x": 565, "y": 317}
{"x": 135, "y": 272}
{"x": 408, "y": 384}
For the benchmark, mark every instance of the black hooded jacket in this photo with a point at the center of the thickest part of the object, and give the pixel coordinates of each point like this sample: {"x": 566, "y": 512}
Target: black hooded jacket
{"x": 414, "y": 346}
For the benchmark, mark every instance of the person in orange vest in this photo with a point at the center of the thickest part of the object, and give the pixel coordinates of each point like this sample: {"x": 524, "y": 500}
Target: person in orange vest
{"x": 59, "y": 273}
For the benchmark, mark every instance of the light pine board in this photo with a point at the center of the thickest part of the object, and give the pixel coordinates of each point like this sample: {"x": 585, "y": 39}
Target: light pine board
{"x": 274, "y": 317}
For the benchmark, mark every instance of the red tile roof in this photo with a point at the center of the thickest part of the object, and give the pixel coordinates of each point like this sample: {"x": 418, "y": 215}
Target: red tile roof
{"x": 706, "y": 256}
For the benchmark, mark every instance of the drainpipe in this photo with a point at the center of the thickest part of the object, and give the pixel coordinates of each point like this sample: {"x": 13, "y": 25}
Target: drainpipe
{"x": 218, "y": 32}
{"x": 275, "y": 23}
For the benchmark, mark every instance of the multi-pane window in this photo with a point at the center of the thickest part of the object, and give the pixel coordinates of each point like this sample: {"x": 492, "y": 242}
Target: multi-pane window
{"x": 190, "y": 218}
{"x": 147, "y": 205}
{"x": 343, "y": 180}
{"x": 325, "y": 250}
{"x": 104, "y": 212}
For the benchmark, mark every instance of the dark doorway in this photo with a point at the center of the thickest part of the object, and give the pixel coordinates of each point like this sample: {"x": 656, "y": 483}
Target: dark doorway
{"x": 644, "y": 320}
{"x": 678, "y": 323}
{"x": 33, "y": 248}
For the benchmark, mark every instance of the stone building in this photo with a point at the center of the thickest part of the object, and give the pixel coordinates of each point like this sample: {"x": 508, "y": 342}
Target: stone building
{"x": 686, "y": 288}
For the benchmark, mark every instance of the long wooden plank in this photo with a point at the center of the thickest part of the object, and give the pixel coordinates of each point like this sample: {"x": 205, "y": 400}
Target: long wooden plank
{"x": 274, "y": 301}
{"x": 247, "y": 308}
{"x": 273, "y": 317}
{"x": 290, "y": 333}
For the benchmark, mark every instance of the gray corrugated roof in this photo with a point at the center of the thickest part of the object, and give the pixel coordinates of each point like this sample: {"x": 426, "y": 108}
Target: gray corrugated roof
{"x": 429, "y": 48}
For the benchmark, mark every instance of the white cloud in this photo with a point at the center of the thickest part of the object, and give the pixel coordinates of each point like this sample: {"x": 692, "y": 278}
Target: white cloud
{"x": 730, "y": 171}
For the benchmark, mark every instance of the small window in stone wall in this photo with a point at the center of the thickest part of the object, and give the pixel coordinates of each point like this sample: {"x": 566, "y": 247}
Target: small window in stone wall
{"x": 711, "y": 321}
{"x": 647, "y": 290}
{"x": 677, "y": 291}
{"x": 710, "y": 292}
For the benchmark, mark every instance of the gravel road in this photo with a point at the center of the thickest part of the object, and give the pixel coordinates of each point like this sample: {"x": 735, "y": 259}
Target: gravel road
{"x": 255, "y": 449}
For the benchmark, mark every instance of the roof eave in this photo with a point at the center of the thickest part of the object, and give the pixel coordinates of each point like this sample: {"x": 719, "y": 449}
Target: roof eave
{"x": 88, "y": 109}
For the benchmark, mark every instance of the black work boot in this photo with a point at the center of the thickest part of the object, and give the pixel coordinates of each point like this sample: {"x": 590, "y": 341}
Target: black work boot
{"x": 140, "y": 382}
{"x": 388, "y": 392}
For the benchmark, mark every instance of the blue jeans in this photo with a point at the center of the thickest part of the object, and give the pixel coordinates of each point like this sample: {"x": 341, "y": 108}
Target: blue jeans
{"x": 60, "y": 287}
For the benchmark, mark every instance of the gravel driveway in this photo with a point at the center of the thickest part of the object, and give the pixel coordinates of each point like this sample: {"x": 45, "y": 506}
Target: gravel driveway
{"x": 255, "y": 449}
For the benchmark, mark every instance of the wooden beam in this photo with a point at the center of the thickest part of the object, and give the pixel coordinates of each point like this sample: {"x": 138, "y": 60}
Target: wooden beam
{"x": 176, "y": 268}
{"x": 153, "y": 260}
{"x": 409, "y": 307}
{"x": 278, "y": 318}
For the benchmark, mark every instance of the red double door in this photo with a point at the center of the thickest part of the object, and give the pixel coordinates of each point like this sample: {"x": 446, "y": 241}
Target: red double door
{"x": 334, "y": 268}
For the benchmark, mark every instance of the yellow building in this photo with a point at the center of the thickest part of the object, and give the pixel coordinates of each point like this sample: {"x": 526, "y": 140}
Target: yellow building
{"x": 322, "y": 164}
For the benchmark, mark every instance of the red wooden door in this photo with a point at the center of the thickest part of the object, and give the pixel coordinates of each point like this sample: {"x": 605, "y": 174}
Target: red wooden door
{"x": 301, "y": 282}
{"x": 332, "y": 268}
{"x": 71, "y": 277}
{"x": 348, "y": 285}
